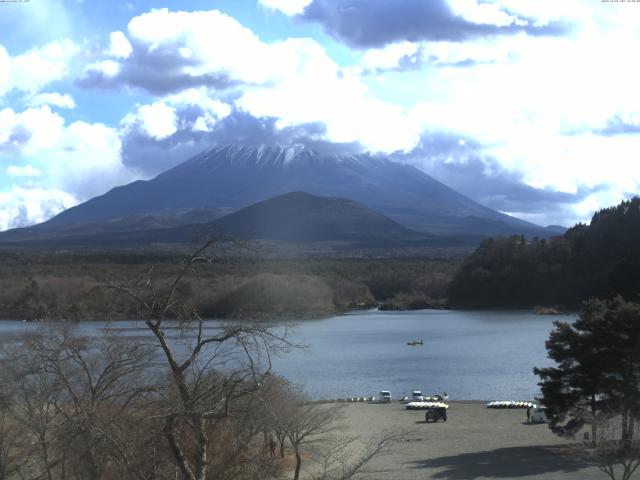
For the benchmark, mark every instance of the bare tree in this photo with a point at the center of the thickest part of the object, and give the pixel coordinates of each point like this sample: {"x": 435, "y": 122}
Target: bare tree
{"x": 13, "y": 441}
{"x": 310, "y": 425}
{"x": 209, "y": 374}
{"x": 616, "y": 451}
{"x": 36, "y": 396}
{"x": 76, "y": 397}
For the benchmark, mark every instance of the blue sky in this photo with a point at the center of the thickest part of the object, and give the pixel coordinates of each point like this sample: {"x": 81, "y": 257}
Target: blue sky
{"x": 531, "y": 108}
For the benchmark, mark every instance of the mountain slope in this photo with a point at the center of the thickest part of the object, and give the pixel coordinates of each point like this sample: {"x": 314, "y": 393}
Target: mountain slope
{"x": 301, "y": 217}
{"x": 232, "y": 177}
{"x": 295, "y": 217}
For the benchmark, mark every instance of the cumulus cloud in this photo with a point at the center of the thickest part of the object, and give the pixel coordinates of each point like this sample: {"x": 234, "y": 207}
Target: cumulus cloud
{"x": 152, "y": 145}
{"x": 461, "y": 163}
{"x": 171, "y": 51}
{"x": 364, "y": 24}
{"x": 288, "y": 7}
{"x": 157, "y": 120}
{"x": 36, "y": 68}
{"x": 29, "y": 131}
{"x": 54, "y": 99}
{"x": 20, "y": 206}
{"x": 55, "y": 164}
{"x": 119, "y": 45}
{"x": 23, "y": 171}
{"x": 294, "y": 80}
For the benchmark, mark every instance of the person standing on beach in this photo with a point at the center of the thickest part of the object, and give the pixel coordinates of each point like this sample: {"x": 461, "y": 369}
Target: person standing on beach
{"x": 272, "y": 447}
{"x": 529, "y": 408}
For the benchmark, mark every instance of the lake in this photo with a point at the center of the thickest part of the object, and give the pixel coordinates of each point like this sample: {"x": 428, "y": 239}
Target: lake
{"x": 471, "y": 355}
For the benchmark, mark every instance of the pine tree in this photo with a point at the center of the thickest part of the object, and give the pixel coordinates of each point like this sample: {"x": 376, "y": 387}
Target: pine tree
{"x": 598, "y": 368}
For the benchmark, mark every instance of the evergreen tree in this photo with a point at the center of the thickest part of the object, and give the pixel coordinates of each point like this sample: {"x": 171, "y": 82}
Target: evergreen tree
{"x": 598, "y": 368}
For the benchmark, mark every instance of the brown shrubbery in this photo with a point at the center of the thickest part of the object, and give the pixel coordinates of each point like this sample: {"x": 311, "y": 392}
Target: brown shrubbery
{"x": 61, "y": 285}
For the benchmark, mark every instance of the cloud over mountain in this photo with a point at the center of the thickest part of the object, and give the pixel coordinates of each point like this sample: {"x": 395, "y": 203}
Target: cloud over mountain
{"x": 540, "y": 90}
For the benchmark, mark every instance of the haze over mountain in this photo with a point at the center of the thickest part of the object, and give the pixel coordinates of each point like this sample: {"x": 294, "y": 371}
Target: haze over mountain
{"x": 232, "y": 177}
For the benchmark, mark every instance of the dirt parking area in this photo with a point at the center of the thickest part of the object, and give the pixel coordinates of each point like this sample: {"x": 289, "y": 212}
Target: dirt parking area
{"x": 475, "y": 442}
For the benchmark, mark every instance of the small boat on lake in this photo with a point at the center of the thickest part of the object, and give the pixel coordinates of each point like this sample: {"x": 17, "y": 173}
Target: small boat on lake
{"x": 415, "y": 342}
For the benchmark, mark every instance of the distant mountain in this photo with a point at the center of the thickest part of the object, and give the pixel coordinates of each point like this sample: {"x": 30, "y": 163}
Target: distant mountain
{"x": 299, "y": 217}
{"x": 556, "y": 229}
{"x": 233, "y": 177}
{"x": 129, "y": 223}
{"x": 295, "y": 217}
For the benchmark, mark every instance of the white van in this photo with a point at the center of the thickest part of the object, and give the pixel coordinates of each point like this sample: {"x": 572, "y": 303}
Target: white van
{"x": 539, "y": 415}
{"x": 385, "y": 396}
{"x": 416, "y": 396}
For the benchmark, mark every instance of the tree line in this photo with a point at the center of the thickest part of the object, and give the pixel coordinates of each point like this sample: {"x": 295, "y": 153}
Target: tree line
{"x": 601, "y": 259}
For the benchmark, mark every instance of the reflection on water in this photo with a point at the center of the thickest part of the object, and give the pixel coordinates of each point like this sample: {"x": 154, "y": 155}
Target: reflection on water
{"x": 469, "y": 354}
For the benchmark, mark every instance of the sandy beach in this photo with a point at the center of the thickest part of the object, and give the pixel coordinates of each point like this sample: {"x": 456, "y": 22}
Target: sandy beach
{"x": 475, "y": 442}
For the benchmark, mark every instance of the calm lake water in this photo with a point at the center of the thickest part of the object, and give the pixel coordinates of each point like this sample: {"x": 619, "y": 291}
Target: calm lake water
{"x": 486, "y": 355}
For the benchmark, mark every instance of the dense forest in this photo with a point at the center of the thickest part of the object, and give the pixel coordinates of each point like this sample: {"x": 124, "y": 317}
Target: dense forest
{"x": 61, "y": 285}
{"x": 601, "y": 259}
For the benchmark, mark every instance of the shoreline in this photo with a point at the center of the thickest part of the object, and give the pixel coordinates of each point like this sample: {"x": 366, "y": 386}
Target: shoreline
{"x": 307, "y": 317}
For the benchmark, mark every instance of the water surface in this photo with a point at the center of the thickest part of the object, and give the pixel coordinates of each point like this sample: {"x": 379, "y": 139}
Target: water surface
{"x": 483, "y": 355}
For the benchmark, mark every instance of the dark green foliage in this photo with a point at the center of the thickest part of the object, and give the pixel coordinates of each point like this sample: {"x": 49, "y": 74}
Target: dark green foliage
{"x": 602, "y": 259}
{"x": 598, "y": 368}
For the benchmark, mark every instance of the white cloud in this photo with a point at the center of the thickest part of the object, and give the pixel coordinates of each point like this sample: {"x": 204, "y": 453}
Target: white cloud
{"x": 205, "y": 38}
{"x": 294, "y": 80}
{"x": 157, "y": 120}
{"x": 539, "y": 107}
{"x": 483, "y": 13}
{"x": 119, "y": 45}
{"x": 23, "y": 171}
{"x": 36, "y": 68}
{"x": 288, "y": 7}
{"x": 212, "y": 110}
{"x": 20, "y": 206}
{"x": 30, "y": 131}
{"x": 315, "y": 89}
{"x": 5, "y": 70}
{"x": 107, "y": 68}
{"x": 389, "y": 56}
{"x": 62, "y": 164}
{"x": 87, "y": 161}
{"x": 54, "y": 99}
{"x": 544, "y": 12}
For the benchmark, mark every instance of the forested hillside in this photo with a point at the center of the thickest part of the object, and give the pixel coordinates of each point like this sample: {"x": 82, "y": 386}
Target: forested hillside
{"x": 600, "y": 259}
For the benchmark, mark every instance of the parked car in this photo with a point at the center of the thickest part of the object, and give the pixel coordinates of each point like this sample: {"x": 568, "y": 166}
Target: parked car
{"x": 416, "y": 396}
{"x": 385, "y": 396}
{"x": 539, "y": 415}
{"x": 435, "y": 414}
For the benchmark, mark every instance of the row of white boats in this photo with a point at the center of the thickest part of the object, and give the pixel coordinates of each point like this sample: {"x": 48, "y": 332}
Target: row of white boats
{"x": 511, "y": 404}
{"x": 425, "y": 405}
